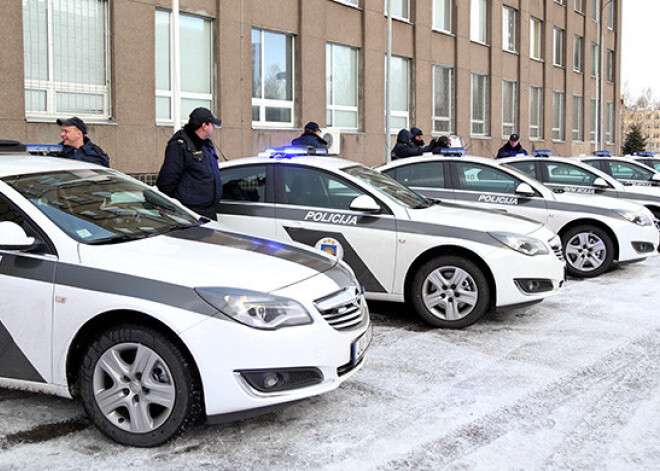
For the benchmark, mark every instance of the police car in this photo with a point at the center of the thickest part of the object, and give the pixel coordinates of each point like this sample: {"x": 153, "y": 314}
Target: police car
{"x": 562, "y": 174}
{"x": 650, "y": 159}
{"x": 595, "y": 232}
{"x": 623, "y": 169}
{"x": 450, "y": 264}
{"x": 114, "y": 294}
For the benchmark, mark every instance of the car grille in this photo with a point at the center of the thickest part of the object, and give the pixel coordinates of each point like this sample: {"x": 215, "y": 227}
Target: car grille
{"x": 343, "y": 310}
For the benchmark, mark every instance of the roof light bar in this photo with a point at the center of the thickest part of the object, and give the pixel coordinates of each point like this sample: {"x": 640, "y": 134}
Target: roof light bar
{"x": 542, "y": 153}
{"x": 603, "y": 153}
{"x": 43, "y": 149}
{"x": 292, "y": 151}
{"x": 644, "y": 154}
{"x": 452, "y": 151}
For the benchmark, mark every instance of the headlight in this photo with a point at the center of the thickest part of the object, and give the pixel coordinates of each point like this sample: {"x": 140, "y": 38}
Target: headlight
{"x": 638, "y": 218}
{"x": 255, "y": 309}
{"x": 520, "y": 243}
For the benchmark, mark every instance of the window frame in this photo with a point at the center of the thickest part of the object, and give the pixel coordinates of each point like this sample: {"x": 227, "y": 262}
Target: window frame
{"x": 510, "y": 127}
{"x": 450, "y": 19}
{"x": 331, "y": 108}
{"x": 579, "y": 6}
{"x": 538, "y": 125}
{"x": 482, "y": 36}
{"x": 558, "y": 47}
{"x": 609, "y": 127}
{"x": 558, "y": 116}
{"x": 394, "y": 15}
{"x": 578, "y": 132}
{"x": 452, "y": 93}
{"x": 578, "y": 53}
{"x": 485, "y": 108}
{"x": 593, "y": 128}
{"x": 51, "y": 87}
{"x": 536, "y": 38}
{"x": 398, "y": 113}
{"x": 509, "y": 44}
{"x": 610, "y": 66}
{"x": 594, "y": 59}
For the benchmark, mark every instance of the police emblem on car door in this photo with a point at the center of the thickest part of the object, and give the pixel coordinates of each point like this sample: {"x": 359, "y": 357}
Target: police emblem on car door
{"x": 314, "y": 207}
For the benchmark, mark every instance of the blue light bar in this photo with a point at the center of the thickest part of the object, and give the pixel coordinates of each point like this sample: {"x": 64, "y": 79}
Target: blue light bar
{"x": 542, "y": 153}
{"x": 292, "y": 151}
{"x": 603, "y": 153}
{"x": 451, "y": 151}
{"x": 645, "y": 154}
{"x": 43, "y": 149}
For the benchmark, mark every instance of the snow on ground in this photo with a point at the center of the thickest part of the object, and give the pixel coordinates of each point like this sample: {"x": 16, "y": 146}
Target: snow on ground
{"x": 571, "y": 383}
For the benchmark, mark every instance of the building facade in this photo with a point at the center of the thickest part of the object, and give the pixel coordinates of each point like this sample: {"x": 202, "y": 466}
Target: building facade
{"x": 648, "y": 122}
{"x": 480, "y": 69}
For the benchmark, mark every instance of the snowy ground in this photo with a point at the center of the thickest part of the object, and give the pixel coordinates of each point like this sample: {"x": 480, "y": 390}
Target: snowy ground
{"x": 571, "y": 383}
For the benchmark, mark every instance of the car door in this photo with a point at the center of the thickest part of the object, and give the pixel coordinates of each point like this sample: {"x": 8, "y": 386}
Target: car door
{"x": 628, "y": 173}
{"x": 567, "y": 177}
{"x": 247, "y": 199}
{"x": 26, "y": 311}
{"x": 427, "y": 178}
{"x": 313, "y": 207}
{"x": 489, "y": 187}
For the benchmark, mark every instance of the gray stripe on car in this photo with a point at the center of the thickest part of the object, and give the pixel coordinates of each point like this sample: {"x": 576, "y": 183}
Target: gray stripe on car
{"x": 13, "y": 362}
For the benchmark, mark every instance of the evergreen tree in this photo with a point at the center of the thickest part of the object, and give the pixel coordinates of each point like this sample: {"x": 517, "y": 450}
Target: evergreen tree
{"x": 634, "y": 142}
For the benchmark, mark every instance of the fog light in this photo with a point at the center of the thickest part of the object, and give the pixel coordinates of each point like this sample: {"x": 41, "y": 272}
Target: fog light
{"x": 642, "y": 247}
{"x": 282, "y": 379}
{"x": 533, "y": 285}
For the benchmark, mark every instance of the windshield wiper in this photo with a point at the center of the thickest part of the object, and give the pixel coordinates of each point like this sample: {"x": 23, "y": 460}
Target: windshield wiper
{"x": 115, "y": 239}
{"x": 180, "y": 227}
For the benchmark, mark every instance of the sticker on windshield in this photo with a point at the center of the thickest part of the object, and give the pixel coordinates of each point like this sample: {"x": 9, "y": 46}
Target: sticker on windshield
{"x": 331, "y": 246}
{"x": 84, "y": 233}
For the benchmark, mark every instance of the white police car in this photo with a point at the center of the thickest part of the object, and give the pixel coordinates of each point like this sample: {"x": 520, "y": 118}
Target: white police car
{"x": 650, "y": 159}
{"x": 595, "y": 231}
{"x": 623, "y": 169}
{"x": 451, "y": 264}
{"x": 113, "y": 293}
{"x": 570, "y": 175}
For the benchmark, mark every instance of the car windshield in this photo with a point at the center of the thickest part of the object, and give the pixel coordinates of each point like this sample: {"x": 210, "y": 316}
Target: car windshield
{"x": 101, "y": 206}
{"x": 388, "y": 187}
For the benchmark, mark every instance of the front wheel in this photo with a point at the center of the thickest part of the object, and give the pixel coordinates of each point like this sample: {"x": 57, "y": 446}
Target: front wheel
{"x": 138, "y": 387}
{"x": 450, "y": 292}
{"x": 588, "y": 250}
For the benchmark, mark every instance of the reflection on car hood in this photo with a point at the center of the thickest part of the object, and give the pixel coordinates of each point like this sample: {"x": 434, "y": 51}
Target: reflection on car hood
{"x": 201, "y": 256}
{"x": 597, "y": 201}
{"x": 462, "y": 217}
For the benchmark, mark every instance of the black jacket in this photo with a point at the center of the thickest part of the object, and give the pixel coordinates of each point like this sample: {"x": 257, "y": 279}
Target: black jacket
{"x": 507, "y": 150}
{"x": 403, "y": 147}
{"x": 310, "y": 139}
{"x": 190, "y": 173}
{"x": 88, "y": 152}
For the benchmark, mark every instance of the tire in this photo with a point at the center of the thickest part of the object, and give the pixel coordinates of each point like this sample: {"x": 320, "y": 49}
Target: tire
{"x": 138, "y": 387}
{"x": 588, "y": 251}
{"x": 440, "y": 282}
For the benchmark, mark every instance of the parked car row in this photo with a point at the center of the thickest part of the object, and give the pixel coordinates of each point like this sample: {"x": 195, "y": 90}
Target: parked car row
{"x": 156, "y": 318}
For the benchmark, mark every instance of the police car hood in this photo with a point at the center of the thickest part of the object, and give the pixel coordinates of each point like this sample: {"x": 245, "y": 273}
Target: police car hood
{"x": 474, "y": 219}
{"x": 595, "y": 201}
{"x": 202, "y": 256}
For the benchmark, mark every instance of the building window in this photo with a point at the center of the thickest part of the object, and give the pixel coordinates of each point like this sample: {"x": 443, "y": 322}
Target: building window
{"x": 443, "y": 99}
{"x": 400, "y": 9}
{"x": 536, "y": 39}
{"x": 509, "y": 36}
{"x": 594, "y": 10}
{"x": 558, "y": 47}
{"x": 66, "y": 57}
{"x": 478, "y": 21}
{"x": 509, "y": 107}
{"x": 479, "y": 122}
{"x": 196, "y": 78}
{"x": 442, "y": 15}
{"x": 561, "y": 2}
{"x": 558, "y": 116}
{"x": 610, "y": 65}
{"x": 400, "y": 93}
{"x": 341, "y": 71}
{"x": 610, "y": 15}
{"x": 578, "y": 118}
{"x": 535, "y": 112}
{"x": 609, "y": 130}
{"x": 594, "y": 121}
{"x": 578, "y": 47}
{"x": 579, "y": 6}
{"x": 594, "y": 59}
{"x": 272, "y": 79}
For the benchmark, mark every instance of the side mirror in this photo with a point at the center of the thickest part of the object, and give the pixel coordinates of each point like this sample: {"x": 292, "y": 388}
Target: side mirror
{"x": 365, "y": 203}
{"x": 655, "y": 178}
{"x": 13, "y": 237}
{"x": 524, "y": 189}
{"x": 600, "y": 183}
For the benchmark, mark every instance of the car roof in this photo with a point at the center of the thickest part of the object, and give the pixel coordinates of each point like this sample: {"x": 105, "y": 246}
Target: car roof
{"x": 328, "y": 163}
{"x": 23, "y": 163}
{"x": 428, "y": 157}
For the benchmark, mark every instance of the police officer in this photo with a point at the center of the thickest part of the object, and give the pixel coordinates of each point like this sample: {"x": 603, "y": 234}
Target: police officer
{"x": 76, "y": 145}
{"x": 437, "y": 145}
{"x": 190, "y": 170}
{"x": 511, "y": 148}
{"x": 311, "y": 137}
{"x": 417, "y": 138}
{"x": 404, "y": 146}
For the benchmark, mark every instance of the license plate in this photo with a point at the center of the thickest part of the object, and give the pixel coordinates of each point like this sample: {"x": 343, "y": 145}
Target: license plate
{"x": 361, "y": 344}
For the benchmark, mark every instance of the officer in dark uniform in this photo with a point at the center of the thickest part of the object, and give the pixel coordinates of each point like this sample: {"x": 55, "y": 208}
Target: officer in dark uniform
{"x": 404, "y": 146}
{"x": 311, "y": 137}
{"x": 190, "y": 171}
{"x": 76, "y": 145}
{"x": 511, "y": 148}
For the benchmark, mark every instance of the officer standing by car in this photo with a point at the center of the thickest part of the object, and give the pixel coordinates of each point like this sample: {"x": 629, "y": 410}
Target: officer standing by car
{"x": 190, "y": 170}
{"x": 311, "y": 137}
{"x": 511, "y": 148}
{"x": 76, "y": 145}
{"x": 404, "y": 146}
